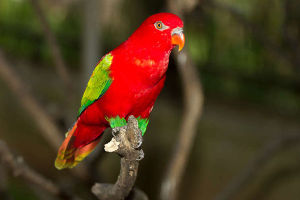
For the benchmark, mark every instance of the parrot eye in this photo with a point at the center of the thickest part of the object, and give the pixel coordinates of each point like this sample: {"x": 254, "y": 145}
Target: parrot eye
{"x": 160, "y": 26}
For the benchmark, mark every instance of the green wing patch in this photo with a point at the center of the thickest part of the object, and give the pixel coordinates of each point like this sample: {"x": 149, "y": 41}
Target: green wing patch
{"x": 98, "y": 83}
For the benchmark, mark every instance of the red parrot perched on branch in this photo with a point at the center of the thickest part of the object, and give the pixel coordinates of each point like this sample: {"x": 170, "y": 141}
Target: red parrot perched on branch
{"x": 125, "y": 82}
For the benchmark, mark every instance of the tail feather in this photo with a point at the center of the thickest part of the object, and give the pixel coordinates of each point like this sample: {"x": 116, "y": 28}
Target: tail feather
{"x": 69, "y": 155}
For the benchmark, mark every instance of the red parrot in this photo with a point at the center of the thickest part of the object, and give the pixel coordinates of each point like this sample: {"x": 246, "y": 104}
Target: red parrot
{"x": 125, "y": 82}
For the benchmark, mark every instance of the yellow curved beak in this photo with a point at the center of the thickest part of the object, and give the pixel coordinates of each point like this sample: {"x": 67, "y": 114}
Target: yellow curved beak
{"x": 178, "y": 38}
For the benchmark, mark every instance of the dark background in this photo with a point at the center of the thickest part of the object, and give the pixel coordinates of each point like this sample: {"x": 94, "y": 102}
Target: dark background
{"x": 247, "y": 54}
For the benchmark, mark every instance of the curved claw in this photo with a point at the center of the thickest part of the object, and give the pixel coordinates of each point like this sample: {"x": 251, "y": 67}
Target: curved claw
{"x": 139, "y": 144}
{"x": 139, "y": 141}
{"x": 141, "y": 155}
{"x": 115, "y": 131}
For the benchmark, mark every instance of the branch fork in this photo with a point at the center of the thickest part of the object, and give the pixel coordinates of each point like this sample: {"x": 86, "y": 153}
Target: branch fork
{"x": 126, "y": 142}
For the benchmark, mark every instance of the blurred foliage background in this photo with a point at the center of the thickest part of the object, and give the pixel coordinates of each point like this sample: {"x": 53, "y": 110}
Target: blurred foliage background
{"x": 247, "y": 53}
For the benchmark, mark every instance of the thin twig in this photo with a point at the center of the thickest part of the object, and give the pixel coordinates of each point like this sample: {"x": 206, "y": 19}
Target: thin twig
{"x": 61, "y": 69}
{"x": 289, "y": 39}
{"x": 193, "y": 105}
{"x": 275, "y": 180}
{"x": 59, "y": 62}
{"x": 3, "y": 183}
{"x": 20, "y": 168}
{"x": 256, "y": 165}
{"x": 48, "y": 128}
{"x": 90, "y": 36}
{"x": 256, "y": 31}
{"x": 242, "y": 20}
{"x": 127, "y": 143}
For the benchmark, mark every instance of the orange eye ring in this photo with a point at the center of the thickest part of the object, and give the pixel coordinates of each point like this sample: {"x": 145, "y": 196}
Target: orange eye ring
{"x": 158, "y": 25}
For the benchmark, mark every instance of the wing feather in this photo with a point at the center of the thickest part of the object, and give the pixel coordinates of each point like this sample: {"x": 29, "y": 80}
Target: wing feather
{"x": 98, "y": 84}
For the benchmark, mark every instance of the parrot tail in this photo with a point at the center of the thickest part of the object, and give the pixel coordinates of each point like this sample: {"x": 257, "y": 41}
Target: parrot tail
{"x": 69, "y": 155}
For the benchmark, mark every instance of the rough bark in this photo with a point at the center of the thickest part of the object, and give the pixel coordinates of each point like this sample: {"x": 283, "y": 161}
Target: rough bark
{"x": 126, "y": 143}
{"x": 20, "y": 169}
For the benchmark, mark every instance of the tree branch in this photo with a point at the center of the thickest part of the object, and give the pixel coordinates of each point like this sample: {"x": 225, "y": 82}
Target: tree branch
{"x": 255, "y": 166}
{"x": 20, "y": 168}
{"x": 48, "y": 128}
{"x": 275, "y": 180}
{"x": 90, "y": 36}
{"x": 59, "y": 63}
{"x": 3, "y": 183}
{"x": 193, "y": 105}
{"x": 268, "y": 44}
{"x": 127, "y": 143}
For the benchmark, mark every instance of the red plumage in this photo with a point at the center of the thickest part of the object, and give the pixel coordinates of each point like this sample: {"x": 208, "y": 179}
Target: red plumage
{"x": 138, "y": 71}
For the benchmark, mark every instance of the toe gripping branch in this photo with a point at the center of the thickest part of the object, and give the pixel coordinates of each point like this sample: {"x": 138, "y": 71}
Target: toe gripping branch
{"x": 126, "y": 142}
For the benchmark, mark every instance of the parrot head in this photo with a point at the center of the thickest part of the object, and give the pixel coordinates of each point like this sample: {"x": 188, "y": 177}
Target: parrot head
{"x": 161, "y": 31}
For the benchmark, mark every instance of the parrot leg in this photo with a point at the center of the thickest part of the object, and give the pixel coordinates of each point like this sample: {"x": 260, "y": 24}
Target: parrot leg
{"x": 116, "y": 123}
